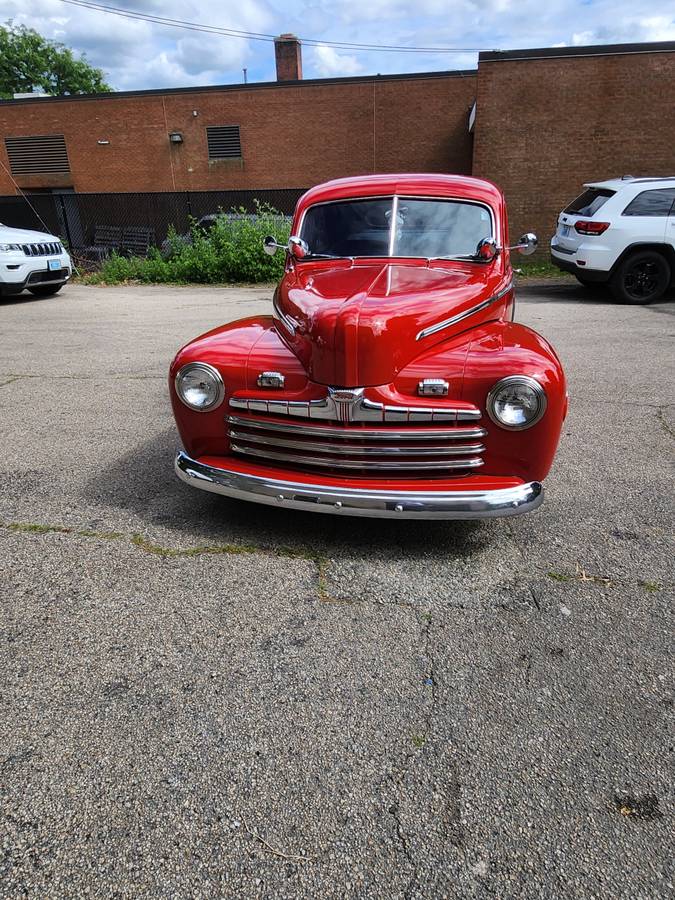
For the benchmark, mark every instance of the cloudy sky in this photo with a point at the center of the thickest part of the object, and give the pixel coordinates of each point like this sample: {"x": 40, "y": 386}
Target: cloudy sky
{"x": 136, "y": 54}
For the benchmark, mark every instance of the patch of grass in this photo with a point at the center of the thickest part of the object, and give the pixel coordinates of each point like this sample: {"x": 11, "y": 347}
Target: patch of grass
{"x": 36, "y": 528}
{"x": 171, "y": 553}
{"x": 651, "y": 586}
{"x": 419, "y": 740}
{"x": 559, "y": 576}
{"x": 538, "y": 268}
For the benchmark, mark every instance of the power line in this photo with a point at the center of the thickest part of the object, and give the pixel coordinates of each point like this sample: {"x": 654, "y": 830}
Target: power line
{"x": 260, "y": 36}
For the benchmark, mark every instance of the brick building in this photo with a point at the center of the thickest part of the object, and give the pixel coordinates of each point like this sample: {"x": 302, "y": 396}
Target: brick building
{"x": 537, "y": 122}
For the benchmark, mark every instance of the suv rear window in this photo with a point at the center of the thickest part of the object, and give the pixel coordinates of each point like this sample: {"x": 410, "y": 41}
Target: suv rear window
{"x": 588, "y": 203}
{"x": 651, "y": 203}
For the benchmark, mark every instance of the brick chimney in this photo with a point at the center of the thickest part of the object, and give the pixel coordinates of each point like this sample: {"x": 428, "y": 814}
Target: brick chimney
{"x": 288, "y": 53}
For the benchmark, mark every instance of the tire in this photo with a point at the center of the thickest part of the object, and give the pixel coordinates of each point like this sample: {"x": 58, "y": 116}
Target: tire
{"x": 641, "y": 278}
{"x": 47, "y": 290}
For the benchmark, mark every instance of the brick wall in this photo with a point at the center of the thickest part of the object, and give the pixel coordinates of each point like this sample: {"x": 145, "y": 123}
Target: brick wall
{"x": 292, "y": 135}
{"x": 546, "y": 125}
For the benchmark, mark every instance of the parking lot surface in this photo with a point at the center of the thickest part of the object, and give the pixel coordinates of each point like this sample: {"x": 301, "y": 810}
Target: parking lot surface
{"x": 205, "y": 698}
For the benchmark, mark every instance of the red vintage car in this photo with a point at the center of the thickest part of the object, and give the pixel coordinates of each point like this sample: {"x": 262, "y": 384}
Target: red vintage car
{"x": 391, "y": 379}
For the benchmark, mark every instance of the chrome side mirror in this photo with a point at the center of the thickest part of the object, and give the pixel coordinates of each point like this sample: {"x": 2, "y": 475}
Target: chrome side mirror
{"x": 527, "y": 244}
{"x": 270, "y": 246}
{"x": 487, "y": 250}
{"x": 297, "y": 247}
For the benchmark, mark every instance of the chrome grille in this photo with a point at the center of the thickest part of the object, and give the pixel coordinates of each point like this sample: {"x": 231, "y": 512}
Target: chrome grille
{"x": 355, "y": 448}
{"x": 50, "y": 249}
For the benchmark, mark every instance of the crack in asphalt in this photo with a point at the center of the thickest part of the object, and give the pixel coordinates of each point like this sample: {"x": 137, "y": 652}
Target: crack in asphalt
{"x": 322, "y": 563}
{"x": 420, "y": 741}
{"x": 661, "y": 418}
{"x": 127, "y": 376}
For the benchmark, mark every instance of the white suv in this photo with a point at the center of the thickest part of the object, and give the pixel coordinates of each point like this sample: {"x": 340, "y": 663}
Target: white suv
{"x": 622, "y": 233}
{"x": 33, "y": 260}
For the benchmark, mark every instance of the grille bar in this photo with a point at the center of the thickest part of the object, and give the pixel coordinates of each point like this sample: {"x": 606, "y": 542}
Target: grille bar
{"x": 357, "y": 449}
{"x": 386, "y": 465}
{"x": 353, "y": 432}
{"x": 50, "y": 249}
{"x": 362, "y": 410}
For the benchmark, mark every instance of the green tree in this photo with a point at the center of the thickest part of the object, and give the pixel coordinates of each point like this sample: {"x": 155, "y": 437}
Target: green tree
{"x": 30, "y": 62}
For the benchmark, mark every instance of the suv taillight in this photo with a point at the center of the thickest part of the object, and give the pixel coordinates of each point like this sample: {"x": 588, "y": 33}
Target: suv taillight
{"x": 591, "y": 227}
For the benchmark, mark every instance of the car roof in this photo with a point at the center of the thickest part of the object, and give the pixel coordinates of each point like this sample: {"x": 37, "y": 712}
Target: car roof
{"x": 617, "y": 184}
{"x": 419, "y": 185}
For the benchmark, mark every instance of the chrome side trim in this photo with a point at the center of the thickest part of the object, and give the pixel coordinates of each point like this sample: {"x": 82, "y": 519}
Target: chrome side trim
{"x": 356, "y": 449}
{"x": 356, "y": 408}
{"x": 461, "y": 433}
{"x": 348, "y": 501}
{"x": 398, "y": 465}
{"x": 446, "y": 323}
{"x": 285, "y": 320}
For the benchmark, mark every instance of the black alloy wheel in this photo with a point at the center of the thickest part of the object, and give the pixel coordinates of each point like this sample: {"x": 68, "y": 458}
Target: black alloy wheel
{"x": 641, "y": 278}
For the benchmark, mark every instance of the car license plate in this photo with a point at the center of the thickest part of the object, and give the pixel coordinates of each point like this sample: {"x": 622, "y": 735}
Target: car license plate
{"x": 54, "y": 265}
{"x": 564, "y": 230}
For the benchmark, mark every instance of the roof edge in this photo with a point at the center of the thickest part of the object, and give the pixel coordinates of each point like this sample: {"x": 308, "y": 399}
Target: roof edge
{"x": 250, "y": 86}
{"x": 587, "y": 50}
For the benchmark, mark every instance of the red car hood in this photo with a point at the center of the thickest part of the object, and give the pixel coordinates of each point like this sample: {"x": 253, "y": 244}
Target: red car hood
{"x": 357, "y": 325}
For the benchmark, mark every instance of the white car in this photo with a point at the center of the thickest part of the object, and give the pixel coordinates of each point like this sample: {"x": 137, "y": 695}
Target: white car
{"x": 621, "y": 233}
{"x": 32, "y": 260}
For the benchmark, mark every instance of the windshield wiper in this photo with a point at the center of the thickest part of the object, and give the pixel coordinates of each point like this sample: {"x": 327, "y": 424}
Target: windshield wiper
{"x": 467, "y": 258}
{"x": 325, "y": 256}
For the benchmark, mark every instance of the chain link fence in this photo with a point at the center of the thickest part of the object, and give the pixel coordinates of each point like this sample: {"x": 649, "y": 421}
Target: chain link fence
{"x": 86, "y": 222}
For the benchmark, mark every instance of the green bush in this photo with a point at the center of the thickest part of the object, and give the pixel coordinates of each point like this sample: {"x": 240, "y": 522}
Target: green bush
{"x": 232, "y": 251}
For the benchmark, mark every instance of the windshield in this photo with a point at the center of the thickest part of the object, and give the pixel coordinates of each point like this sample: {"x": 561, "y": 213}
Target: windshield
{"x": 396, "y": 226}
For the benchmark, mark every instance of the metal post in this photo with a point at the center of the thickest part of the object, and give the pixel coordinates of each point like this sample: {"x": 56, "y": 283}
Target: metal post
{"x": 64, "y": 215}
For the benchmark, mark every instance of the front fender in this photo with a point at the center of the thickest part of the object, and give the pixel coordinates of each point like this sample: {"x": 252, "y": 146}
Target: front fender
{"x": 502, "y": 348}
{"x": 239, "y": 351}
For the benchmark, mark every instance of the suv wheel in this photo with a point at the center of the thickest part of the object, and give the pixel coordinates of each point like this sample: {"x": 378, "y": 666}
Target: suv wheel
{"x": 641, "y": 278}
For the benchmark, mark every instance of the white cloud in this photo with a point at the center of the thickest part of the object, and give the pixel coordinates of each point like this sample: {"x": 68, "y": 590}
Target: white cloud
{"x": 329, "y": 62}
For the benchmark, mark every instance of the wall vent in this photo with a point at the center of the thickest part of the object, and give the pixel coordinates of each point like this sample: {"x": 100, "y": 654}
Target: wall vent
{"x": 224, "y": 142}
{"x": 38, "y": 154}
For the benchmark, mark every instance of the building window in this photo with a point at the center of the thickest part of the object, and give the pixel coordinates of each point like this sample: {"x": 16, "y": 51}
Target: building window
{"x": 224, "y": 142}
{"x": 37, "y": 155}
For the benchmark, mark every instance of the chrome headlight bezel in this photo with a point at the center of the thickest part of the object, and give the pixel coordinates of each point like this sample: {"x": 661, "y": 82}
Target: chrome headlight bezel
{"x": 207, "y": 371}
{"x": 10, "y": 248}
{"x": 510, "y": 381}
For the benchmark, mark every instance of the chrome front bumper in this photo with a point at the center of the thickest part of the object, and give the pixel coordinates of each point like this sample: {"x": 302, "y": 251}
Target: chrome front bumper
{"x": 361, "y": 502}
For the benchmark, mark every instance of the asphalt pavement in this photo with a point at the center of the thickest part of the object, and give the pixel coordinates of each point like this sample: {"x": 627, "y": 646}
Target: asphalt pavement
{"x": 207, "y": 698}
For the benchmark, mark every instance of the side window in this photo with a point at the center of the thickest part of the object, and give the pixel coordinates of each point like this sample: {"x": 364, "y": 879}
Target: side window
{"x": 651, "y": 203}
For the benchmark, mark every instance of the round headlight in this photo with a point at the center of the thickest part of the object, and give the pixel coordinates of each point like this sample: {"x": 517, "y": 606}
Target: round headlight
{"x": 200, "y": 386}
{"x": 516, "y": 402}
